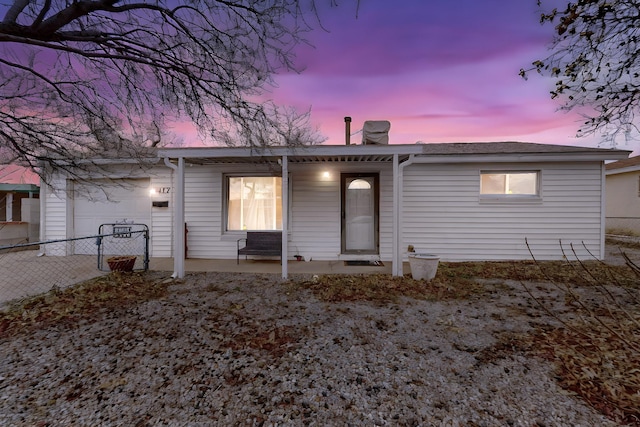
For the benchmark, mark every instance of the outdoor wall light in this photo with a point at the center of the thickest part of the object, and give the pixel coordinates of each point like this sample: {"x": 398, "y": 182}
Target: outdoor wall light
{"x": 152, "y": 192}
{"x": 326, "y": 175}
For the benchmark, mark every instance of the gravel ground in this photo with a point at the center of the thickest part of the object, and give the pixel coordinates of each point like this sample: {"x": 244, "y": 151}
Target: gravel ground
{"x": 243, "y": 349}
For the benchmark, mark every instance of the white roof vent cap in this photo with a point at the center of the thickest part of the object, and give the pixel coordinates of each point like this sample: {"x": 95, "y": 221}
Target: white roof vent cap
{"x": 376, "y": 132}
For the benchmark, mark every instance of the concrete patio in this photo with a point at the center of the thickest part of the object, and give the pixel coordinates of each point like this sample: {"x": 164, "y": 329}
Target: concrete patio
{"x": 271, "y": 266}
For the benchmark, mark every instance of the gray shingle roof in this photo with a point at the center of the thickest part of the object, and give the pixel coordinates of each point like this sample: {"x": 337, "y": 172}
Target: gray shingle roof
{"x": 384, "y": 153}
{"x": 508, "y": 147}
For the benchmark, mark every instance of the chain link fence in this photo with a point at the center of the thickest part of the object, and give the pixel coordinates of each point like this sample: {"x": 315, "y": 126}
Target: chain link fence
{"x": 33, "y": 268}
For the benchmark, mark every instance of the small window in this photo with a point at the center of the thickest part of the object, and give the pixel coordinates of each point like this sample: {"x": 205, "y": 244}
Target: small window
{"x": 359, "y": 184}
{"x": 510, "y": 184}
{"x": 254, "y": 203}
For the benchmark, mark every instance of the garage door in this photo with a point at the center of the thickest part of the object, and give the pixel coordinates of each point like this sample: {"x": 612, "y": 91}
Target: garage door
{"x": 110, "y": 201}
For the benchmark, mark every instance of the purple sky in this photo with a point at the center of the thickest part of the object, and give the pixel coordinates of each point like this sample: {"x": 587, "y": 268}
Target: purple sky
{"x": 438, "y": 70}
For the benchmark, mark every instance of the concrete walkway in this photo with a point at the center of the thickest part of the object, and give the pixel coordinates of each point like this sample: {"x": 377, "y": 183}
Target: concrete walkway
{"x": 26, "y": 273}
{"x": 273, "y": 267}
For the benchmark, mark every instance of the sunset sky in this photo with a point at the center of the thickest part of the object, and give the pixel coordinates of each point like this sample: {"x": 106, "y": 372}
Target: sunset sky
{"x": 439, "y": 71}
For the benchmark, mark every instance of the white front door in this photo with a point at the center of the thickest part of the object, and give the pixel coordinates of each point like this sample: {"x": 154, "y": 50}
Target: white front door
{"x": 360, "y": 213}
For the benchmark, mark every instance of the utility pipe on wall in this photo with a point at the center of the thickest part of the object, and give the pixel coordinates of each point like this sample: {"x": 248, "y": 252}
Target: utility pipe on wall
{"x": 395, "y": 231}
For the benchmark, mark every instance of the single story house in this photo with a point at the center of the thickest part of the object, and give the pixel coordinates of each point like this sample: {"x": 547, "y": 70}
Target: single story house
{"x": 623, "y": 196}
{"x": 460, "y": 201}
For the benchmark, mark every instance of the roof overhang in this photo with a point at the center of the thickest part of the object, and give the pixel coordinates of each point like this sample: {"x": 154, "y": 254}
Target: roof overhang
{"x": 628, "y": 169}
{"x": 301, "y": 154}
{"x": 19, "y": 188}
{"x": 421, "y": 153}
{"x": 519, "y": 158}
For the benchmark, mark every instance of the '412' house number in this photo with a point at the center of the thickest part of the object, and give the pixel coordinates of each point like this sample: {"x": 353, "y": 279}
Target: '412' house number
{"x": 163, "y": 190}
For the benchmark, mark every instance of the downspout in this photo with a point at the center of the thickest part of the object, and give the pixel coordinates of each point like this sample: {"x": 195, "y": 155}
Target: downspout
{"x": 398, "y": 252}
{"x": 396, "y": 212}
{"x": 603, "y": 209}
{"x": 285, "y": 217}
{"x": 43, "y": 208}
{"x": 178, "y": 218}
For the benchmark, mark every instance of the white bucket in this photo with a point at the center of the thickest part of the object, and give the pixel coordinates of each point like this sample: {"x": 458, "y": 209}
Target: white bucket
{"x": 423, "y": 266}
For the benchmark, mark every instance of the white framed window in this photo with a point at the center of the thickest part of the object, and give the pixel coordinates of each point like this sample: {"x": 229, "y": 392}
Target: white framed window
{"x": 254, "y": 203}
{"x": 510, "y": 184}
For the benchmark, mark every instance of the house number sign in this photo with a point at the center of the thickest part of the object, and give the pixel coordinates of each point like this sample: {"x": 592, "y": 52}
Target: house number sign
{"x": 163, "y": 190}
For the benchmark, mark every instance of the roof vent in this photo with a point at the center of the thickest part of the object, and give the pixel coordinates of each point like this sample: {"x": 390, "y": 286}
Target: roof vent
{"x": 375, "y": 132}
{"x": 347, "y": 125}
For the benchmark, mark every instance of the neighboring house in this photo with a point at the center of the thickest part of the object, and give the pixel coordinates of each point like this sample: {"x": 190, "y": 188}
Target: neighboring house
{"x": 623, "y": 196}
{"x": 19, "y": 205}
{"x": 461, "y": 201}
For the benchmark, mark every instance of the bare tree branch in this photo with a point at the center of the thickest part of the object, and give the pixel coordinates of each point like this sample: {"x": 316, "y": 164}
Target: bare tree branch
{"x": 14, "y": 11}
{"x": 595, "y": 61}
{"x": 89, "y": 77}
{"x": 43, "y": 13}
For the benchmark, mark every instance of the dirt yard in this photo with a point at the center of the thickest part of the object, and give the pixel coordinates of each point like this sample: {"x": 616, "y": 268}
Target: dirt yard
{"x": 484, "y": 344}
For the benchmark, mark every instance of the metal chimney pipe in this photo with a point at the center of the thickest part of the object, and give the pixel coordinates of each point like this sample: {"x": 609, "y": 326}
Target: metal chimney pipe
{"x": 347, "y": 125}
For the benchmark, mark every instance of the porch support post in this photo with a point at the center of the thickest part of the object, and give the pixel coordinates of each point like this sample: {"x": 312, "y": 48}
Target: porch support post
{"x": 178, "y": 218}
{"x": 9, "y": 207}
{"x": 179, "y": 252}
{"x": 396, "y": 258}
{"x": 285, "y": 216}
{"x": 43, "y": 209}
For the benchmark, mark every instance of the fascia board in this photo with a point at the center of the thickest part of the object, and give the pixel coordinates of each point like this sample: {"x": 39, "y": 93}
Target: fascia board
{"x": 519, "y": 158}
{"x": 628, "y": 169}
{"x": 317, "y": 150}
{"x": 19, "y": 188}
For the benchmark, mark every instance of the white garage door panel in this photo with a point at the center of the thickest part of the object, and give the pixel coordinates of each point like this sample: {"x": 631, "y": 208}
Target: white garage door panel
{"x": 108, "y": 202}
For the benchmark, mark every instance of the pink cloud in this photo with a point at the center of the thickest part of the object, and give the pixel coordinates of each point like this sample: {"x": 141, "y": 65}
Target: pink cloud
{"x": 438, "y": 72}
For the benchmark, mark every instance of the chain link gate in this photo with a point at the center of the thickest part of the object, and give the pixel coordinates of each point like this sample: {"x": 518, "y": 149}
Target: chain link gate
{"x": 123, "y": 247}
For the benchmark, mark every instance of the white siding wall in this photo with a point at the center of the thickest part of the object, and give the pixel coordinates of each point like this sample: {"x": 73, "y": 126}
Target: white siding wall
{"x": 386, "y": 212}
{"x": 58, "y": 208}
{"x": 315, "y": 208}
{"x": 203, "y": 214}
{"x": 55, "y": 209}
{"x": 314, "y": 230}
{"x": 315, "y": 211}
{"x": 204, "y": 210}
{"x": 160, "y": 229}
{"x": 623, "y": 202}
{"x": 442, "y": 213}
